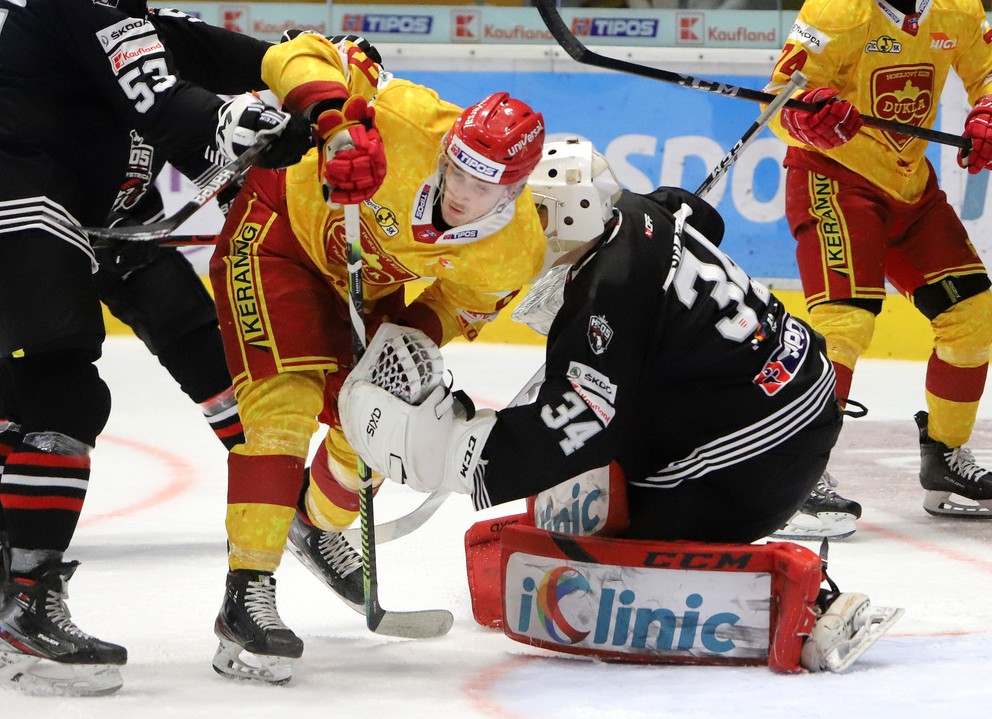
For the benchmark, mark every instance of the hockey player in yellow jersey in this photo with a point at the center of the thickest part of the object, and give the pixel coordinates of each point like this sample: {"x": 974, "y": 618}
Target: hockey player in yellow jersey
{"x": 443, "y": 197}
{"x": 865, "y": 207}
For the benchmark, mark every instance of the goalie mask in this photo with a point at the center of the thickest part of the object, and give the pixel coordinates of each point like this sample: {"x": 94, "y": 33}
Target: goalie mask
{"x": 577, "y": 187}
{"x": 498, "y": 140}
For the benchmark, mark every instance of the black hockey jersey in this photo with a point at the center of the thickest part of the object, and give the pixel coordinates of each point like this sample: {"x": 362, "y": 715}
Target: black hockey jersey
{"x": 665, "y": 357}
{"x": 76, "y": 76}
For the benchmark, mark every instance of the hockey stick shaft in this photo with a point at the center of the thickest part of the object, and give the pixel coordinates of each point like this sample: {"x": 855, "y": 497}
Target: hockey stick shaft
{"x": 416, "y": 624}
{"x": 155, "y": 231}
{"x": 581, "y": 54}
{"x": 798, "y": 80}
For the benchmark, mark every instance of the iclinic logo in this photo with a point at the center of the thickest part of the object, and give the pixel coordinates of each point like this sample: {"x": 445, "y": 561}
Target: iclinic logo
{"x": 555, "y": 586}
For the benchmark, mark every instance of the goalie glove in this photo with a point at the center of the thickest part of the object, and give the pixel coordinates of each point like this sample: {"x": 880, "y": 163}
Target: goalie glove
{"x": 834, "y": 124}
{"x": 245, "y": 121}
{"x": 978, "y": 127}
{"x": 352, "y": 156}
{"x": 403, "y": 422}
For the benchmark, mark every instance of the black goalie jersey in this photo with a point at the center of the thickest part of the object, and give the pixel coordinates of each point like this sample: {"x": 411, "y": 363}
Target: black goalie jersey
{"x": 667, "y": 359}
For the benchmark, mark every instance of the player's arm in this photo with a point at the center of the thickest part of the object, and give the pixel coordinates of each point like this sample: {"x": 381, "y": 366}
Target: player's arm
{"x": 973, "y": 64}
{"x": 817, "y": 48}
{"x": 333, "y": 85}
{"x": 219, "y": 60}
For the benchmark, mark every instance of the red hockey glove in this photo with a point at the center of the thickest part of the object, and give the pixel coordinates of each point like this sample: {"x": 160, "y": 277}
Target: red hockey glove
{"x": 352, "y": 157}
{"x": 835, "y": 123}
{"x": 978, "y": 127}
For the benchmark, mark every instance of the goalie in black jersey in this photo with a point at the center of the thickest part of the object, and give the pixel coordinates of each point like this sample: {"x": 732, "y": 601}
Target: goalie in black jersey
{"x": 706, "y": 410}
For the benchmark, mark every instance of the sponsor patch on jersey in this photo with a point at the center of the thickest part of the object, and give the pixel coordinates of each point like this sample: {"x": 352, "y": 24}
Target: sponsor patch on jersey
{"x": 942, "y": 41}
{"x": 134, "y": 50}
{"x": 786, "y": 359}
{"x": 126, "y": 29}
{"x": 884, "y": 44}
{"x": 599, "y": 333}
{"x": 581, "y": 375}
{"x": 807, "y": 35}
{"x": 603, "y": 410}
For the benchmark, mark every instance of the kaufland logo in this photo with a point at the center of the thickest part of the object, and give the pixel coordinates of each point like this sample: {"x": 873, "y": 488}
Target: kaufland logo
{"x": 466, "y": 26}
{"x": 614, "y": 27}
{"x": 690, "y": 28}
{"x": 387, "y": 23}
{"x": 235, "y": 17}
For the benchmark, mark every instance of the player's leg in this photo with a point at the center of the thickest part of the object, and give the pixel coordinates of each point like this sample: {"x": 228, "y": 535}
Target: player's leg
{"x": 269, "y": 299}
{"x": 949, "y": 286}
{"x": 162, "y": 299}
{"x": 52, "y": 331}
{"x": 840, "y": 226}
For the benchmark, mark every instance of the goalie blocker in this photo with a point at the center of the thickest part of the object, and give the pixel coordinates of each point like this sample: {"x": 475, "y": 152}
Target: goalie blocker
{"x": 547, "y": 583}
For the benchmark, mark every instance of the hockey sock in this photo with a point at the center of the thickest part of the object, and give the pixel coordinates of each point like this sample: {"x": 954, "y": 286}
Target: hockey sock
{"x": 42, "y": 491}
{"x": 221, "y": 413}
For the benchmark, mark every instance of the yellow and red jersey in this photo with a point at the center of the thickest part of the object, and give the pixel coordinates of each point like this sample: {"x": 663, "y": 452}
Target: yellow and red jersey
{"x": 476, "y": 268}
{"x": 889, "y": 65}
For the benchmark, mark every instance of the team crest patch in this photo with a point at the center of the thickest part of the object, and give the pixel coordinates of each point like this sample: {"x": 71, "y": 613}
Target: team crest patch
{"x": 785, "y": 361}
{"x": 600, "y": 333}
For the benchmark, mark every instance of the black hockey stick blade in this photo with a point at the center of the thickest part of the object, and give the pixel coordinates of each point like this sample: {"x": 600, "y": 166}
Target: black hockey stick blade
{"x": 581, "y": 54}
{"x": 155, "y": 231}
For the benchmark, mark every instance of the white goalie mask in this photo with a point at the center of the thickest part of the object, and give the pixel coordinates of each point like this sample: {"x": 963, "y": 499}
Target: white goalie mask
{"x": 578, "y": 188}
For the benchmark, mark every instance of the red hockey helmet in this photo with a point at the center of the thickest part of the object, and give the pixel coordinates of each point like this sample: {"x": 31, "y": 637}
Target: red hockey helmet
{"x": 498, "y": 140}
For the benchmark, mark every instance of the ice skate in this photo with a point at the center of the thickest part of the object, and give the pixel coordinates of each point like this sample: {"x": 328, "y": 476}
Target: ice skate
{"x": 254, "y": 642}
{"x": 955, "y": 485}
{"x": 845, "y": 630}
{"x": 824, "y": 514}
{"x": 42, "y": 651}
{"x": 331, "y": 558}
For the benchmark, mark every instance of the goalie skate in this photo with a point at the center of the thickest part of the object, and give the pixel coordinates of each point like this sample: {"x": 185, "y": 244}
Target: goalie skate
{"x": 844, "y": 632}
{"x": 254, "y": 645}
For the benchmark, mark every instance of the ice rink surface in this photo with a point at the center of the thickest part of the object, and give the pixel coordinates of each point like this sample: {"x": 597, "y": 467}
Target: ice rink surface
{"x": 152, "y": 546}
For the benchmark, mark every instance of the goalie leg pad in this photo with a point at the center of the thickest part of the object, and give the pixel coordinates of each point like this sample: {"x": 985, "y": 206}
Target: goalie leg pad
{"x": 482, "y": 563}
{"x": 592, "y": 503}
{"x": 665, "y": 602}
{"x": 847, "y": 628}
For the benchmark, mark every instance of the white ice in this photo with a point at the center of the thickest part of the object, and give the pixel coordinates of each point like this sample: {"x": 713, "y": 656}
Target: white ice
{"x": 152, "y": 546}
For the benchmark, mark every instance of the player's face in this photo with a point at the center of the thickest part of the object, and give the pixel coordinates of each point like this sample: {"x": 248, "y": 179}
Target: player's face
{"x": 467, "y": 198}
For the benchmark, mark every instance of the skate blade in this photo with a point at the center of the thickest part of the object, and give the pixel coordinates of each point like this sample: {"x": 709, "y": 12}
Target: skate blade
{"x": 831, "y": 525}
{"x": 36, "y": 676}
{"x": 843, "y": 654}
{"x": 235, "y": 662}
{"x": 316, "y": 571}
{"x": 945, "y": 504}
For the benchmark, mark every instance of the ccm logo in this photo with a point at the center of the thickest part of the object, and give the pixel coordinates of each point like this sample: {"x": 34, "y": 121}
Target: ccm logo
{"x": 469, "y": 453}
{"x": 373, "y": 424}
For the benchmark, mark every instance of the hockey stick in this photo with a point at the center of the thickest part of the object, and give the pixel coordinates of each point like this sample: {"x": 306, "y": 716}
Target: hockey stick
{"x": 796, "y": 81}
{"x": 416, "y": 624}
{"x": 155, "y": 231}
{"x": 580, "y": 53}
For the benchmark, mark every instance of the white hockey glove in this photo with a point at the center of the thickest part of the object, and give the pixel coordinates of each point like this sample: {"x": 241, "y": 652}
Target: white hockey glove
{"x": 404, "y": 422}
{"x": 245, "y": 121}
{"x": 540, "y": 305}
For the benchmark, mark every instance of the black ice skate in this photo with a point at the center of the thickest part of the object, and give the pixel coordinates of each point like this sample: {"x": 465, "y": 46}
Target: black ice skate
{"x": 42, "y": 651}
{"x": 331, "y": 558}
{"x": 254, "y": 642}
{"x": 946, "y": 471}
{"x": 824, "y": 514}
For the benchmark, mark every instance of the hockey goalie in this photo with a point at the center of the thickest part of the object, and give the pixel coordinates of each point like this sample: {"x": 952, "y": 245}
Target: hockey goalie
{"x": 684, "y": 415}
